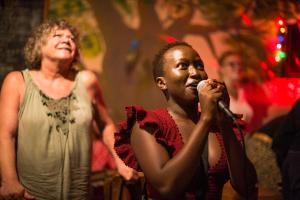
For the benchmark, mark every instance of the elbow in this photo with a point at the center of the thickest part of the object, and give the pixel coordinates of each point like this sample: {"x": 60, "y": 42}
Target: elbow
{"x": 169, "y": 190}
{"x": 167, "y": 193}
{"x": 250, "y": 189}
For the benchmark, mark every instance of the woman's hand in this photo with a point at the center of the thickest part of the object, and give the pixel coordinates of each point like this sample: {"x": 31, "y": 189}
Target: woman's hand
{"x": 128, "y": 173}
{"x": 209, "y": 95}
{"x": 27, "y": 196}
{"x": 11, "y": 190}
{"x": 14, "y": 190}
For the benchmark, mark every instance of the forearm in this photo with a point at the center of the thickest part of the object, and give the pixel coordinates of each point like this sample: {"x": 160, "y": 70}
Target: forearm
{"x": 167, "y": 175}
{"x": 7, "y": 155}
{"x": 109, "y": 141}
{"x": 242, "y": 172}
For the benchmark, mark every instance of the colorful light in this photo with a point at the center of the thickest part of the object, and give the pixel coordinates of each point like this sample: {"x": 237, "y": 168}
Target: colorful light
{"x": 280, "y": 54}
{"x": 277, "y": 59}
{"x": 280, "y": 38}
{"x": 246, "y": 19}
{"x": 280, "y": 21}
{"x": 278, "y": 46}
{"x": 167, "y": 38}
{"x": 282, "y": 30}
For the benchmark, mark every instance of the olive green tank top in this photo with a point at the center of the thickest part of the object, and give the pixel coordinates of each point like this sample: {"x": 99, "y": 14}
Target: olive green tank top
{"x": 53, "y": 143}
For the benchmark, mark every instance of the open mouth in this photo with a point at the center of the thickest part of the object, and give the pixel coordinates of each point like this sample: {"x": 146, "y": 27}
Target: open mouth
{"x": 66, "y": 49}
{"x": 193, "y": 86}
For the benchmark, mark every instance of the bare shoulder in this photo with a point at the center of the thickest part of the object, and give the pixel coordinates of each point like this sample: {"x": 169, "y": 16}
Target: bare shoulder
{"x": 14, "y": 80}
{"x": 89, "y": 78}
{"x": 12, "y": 89}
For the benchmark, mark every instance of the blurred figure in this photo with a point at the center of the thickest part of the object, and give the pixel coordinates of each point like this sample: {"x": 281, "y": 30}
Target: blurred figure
{"x": 167, "y": 143}
{"x": 46, "y": 118}
{"x": 286, "y": 145}
{"x": 258, "y": 144}
{"x": 231, "y": 72}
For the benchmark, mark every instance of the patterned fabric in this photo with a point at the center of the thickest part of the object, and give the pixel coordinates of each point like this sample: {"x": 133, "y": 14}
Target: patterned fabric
{"x": 260, "y": 153}
{"x": 54, "y": 144}
{"x": 167, "y": 133}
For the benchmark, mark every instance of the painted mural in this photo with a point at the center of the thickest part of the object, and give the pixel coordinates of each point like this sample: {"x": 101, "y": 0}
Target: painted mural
{"x": 80, "y": 14}
{"x": 120, "y": 38}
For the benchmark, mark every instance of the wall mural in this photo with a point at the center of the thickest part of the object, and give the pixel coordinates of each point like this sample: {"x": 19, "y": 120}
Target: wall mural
{"x": 120, "y": 38}
{"x": 80, "y": 14}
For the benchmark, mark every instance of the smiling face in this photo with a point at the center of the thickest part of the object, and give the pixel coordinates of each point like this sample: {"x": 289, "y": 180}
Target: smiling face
{"x": 183, "y": 69}
{"x": 59, "y": 45}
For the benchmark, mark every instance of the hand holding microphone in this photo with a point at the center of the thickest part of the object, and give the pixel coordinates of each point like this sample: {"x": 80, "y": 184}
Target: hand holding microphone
{"x": 221, "y": 104}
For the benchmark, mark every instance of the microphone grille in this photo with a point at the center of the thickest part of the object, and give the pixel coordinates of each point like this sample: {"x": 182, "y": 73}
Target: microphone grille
{"x": 201, "y": 85}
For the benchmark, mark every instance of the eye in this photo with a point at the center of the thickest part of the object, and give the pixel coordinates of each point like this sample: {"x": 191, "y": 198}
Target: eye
{"x": 199, "y": 65}
{"x": 71, "y": 38}
{"x": 57, "y": 35}
{"x": 183, "y": 65}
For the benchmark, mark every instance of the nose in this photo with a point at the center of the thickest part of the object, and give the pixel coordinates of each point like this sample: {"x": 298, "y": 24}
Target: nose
{"x": 65, "y": 39}
{"x": 193, "y": 70}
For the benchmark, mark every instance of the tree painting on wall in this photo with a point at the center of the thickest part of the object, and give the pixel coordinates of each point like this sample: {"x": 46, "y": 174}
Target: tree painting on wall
{"x": 125, "y": 35}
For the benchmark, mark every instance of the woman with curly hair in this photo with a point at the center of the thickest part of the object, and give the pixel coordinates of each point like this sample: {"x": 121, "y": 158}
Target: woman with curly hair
{"x": 47, "y": 111}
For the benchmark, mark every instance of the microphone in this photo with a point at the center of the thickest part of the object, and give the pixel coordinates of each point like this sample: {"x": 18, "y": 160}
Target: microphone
{"x": 221, "y": 104}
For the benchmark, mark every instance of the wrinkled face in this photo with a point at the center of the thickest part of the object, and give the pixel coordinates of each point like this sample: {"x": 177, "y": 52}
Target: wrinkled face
{"x": 183, "y": 70}
{"x": 232, "y": 68}
{"x": 59, "y": 45}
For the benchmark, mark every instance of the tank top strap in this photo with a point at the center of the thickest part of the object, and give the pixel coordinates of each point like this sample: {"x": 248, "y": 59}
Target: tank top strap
{"x": 28, "y": 87}
{"x": 25, "y": 74}
{"x": 80, "y": 88}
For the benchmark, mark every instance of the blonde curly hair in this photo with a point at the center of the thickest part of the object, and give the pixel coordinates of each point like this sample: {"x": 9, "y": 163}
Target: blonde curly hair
{"x": 32, "y": 49}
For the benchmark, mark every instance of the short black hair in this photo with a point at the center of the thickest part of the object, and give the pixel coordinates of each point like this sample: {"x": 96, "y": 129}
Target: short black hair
{"x": 158, "y": 60}
{"x": 226, "y": 54}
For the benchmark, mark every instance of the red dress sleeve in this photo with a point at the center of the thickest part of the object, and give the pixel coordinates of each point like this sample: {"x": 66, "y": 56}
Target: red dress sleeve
{"x": 164, "y": 131}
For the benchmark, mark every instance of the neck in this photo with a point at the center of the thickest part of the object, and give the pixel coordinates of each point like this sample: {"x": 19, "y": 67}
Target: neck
{"x": 232, "y": 88}
{"x": 184, "y": 112}
{"x": 53, "y": 70}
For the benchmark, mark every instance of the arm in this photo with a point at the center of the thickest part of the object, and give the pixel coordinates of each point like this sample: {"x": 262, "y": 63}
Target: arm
{"x": 169, "y": 176}
{"x": 9, "y": 106}
{"x": 243, "y": 176}
{"x": 105, "y": 123}
{"x": 242, "y": 173}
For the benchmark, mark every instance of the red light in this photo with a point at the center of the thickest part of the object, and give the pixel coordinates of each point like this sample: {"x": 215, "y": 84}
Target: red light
{"x": 167, "y": 38}
{"x": 280, "y": 21}
{"x": 246, "y": 19}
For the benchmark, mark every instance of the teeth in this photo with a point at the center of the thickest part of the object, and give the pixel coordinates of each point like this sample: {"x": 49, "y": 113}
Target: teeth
{"x": 64, "y": 49}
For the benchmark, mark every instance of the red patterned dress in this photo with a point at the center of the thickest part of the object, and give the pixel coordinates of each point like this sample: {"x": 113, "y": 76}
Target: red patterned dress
{"x": 167, "y": 133}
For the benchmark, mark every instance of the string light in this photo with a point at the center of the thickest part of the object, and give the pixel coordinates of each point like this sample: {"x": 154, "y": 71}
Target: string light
{"x": 278, "y": 46}
{"x": 282, "y": 30}
{"x": 280, "y": 54}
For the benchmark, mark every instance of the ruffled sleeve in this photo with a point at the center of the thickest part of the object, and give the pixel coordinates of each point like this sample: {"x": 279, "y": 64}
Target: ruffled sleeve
{"x": 163, "y": 129}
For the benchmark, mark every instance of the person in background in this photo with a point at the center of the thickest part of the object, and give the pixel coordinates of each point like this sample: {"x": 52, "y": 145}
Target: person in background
{"x": 231, "y": 72}
{"x": 185, "y": 154}
{"x": 286, "y": 145}
{"x": 46, "y": 115}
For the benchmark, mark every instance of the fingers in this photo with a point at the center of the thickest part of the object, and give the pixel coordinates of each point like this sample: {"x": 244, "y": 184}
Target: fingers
{"x": 131, "y": 175}
{"x": 27, "y": 196}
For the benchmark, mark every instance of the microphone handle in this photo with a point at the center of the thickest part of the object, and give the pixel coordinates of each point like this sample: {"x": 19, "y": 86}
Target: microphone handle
{"x": 223, "y": 107}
